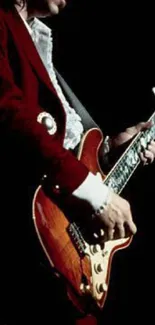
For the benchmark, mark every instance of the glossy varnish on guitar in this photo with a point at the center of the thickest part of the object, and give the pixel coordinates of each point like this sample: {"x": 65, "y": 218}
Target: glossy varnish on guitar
{"x": 84, "y": 266}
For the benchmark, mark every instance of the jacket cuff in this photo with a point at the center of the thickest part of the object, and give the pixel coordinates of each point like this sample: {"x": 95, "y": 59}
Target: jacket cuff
{"x": 93, "y": 190}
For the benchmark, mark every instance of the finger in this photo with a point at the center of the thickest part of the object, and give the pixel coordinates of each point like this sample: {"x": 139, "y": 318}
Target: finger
{"x": 132, "y": 227}
{"x": 111, "y": 233}
{"x": 148, "y": 124}
{"x": 152, "y": 142}
{"x": 142, "y": 157}
{"x": 149, "y": 155}
{"x": 121, "y": 230}
{"x": 151, "y": 147}
{"x": 144, "y": 125}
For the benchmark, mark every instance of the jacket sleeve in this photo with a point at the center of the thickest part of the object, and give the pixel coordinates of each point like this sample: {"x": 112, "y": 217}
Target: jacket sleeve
{"x": 17, "y": 118}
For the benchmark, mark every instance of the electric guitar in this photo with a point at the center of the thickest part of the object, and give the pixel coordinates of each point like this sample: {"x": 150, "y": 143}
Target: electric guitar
{"x": 84, "y": 265}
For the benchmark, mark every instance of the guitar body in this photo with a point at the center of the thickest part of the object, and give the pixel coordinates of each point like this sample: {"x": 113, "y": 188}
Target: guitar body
{"x": 85, "y": 267}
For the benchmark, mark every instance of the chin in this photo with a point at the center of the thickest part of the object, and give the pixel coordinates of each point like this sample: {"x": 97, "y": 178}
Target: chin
{"x": 40, "y": 8}
{"x": 53, "y": 8}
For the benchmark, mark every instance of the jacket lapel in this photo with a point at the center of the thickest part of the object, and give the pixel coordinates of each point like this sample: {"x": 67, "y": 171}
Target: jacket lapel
{"x": 24, "y": 41}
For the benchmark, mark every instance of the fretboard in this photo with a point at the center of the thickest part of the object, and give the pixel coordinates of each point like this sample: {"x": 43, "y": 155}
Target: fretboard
{"x": 129, "y": 161}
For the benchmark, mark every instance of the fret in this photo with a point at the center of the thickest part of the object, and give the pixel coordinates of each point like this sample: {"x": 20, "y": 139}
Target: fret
{"x": 129, "y": 161}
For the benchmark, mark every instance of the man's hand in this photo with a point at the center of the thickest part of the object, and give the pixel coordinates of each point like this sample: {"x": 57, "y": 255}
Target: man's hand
{"x": 117, "y": 218}
{"x": 146, "y": 156}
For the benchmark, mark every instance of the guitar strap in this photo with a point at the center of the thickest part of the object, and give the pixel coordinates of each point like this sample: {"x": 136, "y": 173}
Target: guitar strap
{"x": 87, "y": 120}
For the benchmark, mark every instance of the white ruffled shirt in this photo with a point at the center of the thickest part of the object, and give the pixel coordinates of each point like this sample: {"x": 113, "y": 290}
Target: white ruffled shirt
{"x": 42, "y": 38}
{"x": 92, "y": 189}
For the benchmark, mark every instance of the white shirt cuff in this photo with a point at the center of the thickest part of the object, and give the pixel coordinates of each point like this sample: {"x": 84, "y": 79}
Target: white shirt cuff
{"x": 93, "y": 190}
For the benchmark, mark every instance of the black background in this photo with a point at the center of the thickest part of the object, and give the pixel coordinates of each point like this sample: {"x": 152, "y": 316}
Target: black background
{"x": 106, "y": 53}
{"x": 114, "y": 43}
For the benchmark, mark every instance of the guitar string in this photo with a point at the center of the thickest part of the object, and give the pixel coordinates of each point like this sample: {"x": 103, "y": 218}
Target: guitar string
{"x": 123, "y": 170}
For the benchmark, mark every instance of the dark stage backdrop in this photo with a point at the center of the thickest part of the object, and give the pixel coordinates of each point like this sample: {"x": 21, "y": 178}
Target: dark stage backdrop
{"x": 106, "y": 53}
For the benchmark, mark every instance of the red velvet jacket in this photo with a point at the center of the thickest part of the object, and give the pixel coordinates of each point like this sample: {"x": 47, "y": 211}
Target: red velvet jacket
{"x": 25, "y": 91}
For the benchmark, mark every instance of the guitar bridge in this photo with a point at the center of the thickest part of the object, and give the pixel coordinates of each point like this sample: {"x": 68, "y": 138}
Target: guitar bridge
{"x": 77, "y": 238}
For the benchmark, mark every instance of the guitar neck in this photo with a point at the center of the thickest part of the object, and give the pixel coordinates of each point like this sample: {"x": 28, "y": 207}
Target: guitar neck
{"x": 129, "y": 161}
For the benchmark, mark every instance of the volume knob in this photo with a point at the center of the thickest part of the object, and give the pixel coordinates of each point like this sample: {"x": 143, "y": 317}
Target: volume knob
{"x": 95, "y": 248}
{"x": 102, "y": 287}
{"x": 98, "y": 268}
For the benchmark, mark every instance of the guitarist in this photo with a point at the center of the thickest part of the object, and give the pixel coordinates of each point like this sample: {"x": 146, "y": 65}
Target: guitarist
{"x": 39, "y": 132}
